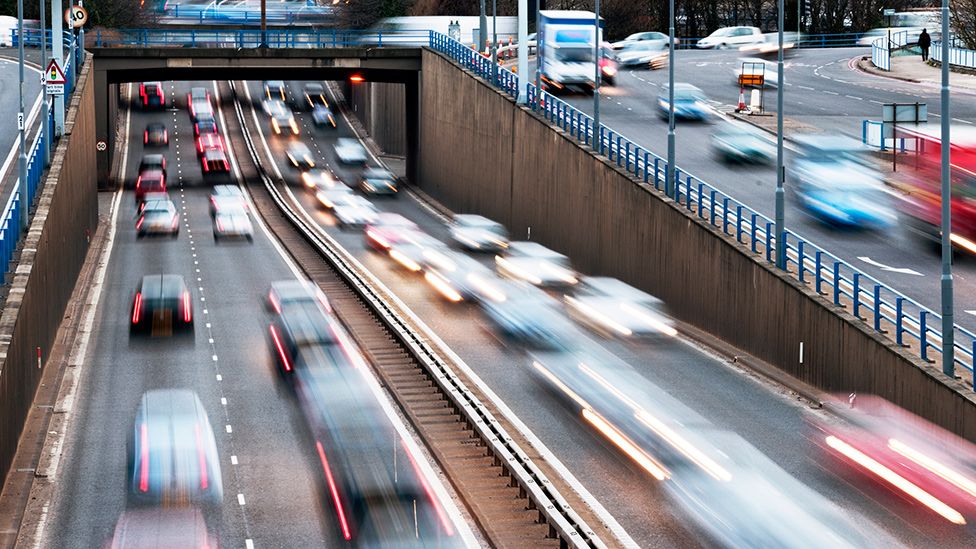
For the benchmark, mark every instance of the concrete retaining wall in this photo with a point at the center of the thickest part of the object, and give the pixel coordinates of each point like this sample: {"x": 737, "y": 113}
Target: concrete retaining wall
{"x": 481, "y": 153}
{"x": 53, "y": 253}
{"x": 380, "y": 107}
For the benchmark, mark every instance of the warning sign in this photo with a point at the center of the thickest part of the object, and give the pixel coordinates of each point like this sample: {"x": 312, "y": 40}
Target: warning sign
{"x": 54, "y": 79}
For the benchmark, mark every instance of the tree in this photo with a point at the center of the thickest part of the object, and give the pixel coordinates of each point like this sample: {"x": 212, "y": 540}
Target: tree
{"x": 964, "y": 21}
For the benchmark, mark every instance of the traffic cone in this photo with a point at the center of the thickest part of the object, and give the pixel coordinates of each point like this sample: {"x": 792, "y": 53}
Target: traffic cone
{"x": 742, "y": 107}
{"x": 511, "y": 49}
{"x": 487, "y": 47}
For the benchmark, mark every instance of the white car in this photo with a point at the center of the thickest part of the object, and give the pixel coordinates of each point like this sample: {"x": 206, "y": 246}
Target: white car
{"x": 351, "y": 210}
{"x": 350, "y": 151}
{"x": 318, "y": 179}
{"x": 329, "y": 197}
{"x": 536, "y": 264}
{"x": 232, "y": 223}
{"x": 479, "y": 234}
{"x": 658, "y": 38}
{"x": 611, "y": 307}
{"x": 732, "y": 37}
{"x": 646, "y": 54}
{"x": 459, "y": 277}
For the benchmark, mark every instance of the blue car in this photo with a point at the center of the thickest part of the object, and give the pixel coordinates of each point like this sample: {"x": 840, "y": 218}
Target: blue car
{"x": 690, "y": 103}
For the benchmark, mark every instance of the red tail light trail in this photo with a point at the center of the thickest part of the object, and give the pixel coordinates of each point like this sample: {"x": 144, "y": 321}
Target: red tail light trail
{"x": 334, "y": 492}
{"x": 143, "y": 458}
{"x": 201, "y": 458}
{"x": 137, "y": 308}
{"x": 280, "y": 348}
{"x": 187, "y": 312}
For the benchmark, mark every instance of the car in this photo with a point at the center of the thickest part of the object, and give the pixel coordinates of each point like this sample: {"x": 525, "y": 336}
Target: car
{"x": 648, "y": 54}
{"x": 536, "y": 264}
{"x": 149, "y": 181}
{"x": 158, "y": 217}
{"x": 153, "y": 162}
{"x": 150, "y": 196}
{"x": 276, "y": 90}
{"x": 833, "y": 182}
{"x": 300, "y": 155}
{"x": 656, "y": 38}
{"x": 737, "y": 143}
{"x": 162, "y": 527}
{"x": 227, "y": 197}
{"x": 352, "y": 211}
{"x": 208, "y": 141}
{"x": 479, "y": 234}
{"x": 303, "y": 330}
{"x": 162, "y": 305}
{"x": 528, "y": 315}
{"x": 614, "y": 308}
{"x": 284, "y": 293}
{"x": 328, "y": 197}
{"x": 731, "y": 37}
{"x": 155, "y": 135}
{"x": 214, "y": 162}
{"x": 690, "y": 103}
{"x": 205, "y": 123}
{"x": 755, "y": 72}
{"x": 314, "y": 94}
{"x": 378, "y": 181}
{"x": 319, "y": 179}
{"x": 198, "y": 95}
{"x": 458, "y": 277}
{"x": 387, "y": 229}
{"x": 608, "y": 65}
{"x": 232, "y": 223}
{"x": 282, "y": 119}
{"x": 201, "y": 108}
{"x": 172, "y": 452}
{"x": 350, "y": 151}
{"x": 412, "y": 248}
{"x": 322, "y": 116}
{"x": 152, "y": 95}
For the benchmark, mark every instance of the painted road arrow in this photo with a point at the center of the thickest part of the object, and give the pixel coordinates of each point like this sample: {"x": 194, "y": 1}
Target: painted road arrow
{"x": 884, "y": 267}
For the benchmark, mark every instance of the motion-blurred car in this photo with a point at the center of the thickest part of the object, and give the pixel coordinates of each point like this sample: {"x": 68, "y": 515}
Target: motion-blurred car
{"x": 162, "y": 305}
{"x": 319, "y": 179}
{"x": 479, "y": 234}
{"x": 282, "y": 119}
{"x": 832, "y": 183}
{"x": 158, "y": 527}
{"x": 172, "y": 451}
{"x": 378, "y": 181}
{"x": 350, "y": 151}
{"x": 302, "y": 335}
{"x": 754, "y": 72}
{"x": 459, "y": 277}
{"x": 151, "y": 196}
{"x": 329, "y": 196}
{"x": 284, "y": 293}
{"x": 411, "y": 248}
{"x": 536, "y": 264}
{"x": 209, "y": 141}
{"x": 198, "y": 95}
{"x": 153, "y": 162}
{"x": 614, "y": 308}
{"x": 158, "y": 217}
{"x": 609, "y": 65}
{"x": 314, "y": 94}
{"x": 731, "y": 37}
{"x": 353, "y": 211}
{"x": 655, "y": 38}
{"x": 690, "y": 103}
{"x": 204, "y": 124}
{"x": 227, "y": 197}
{"x": 276, "y": 90}
{"x": 300, "y": 155}
{"x": 232, "y": 223}
{"x": 527, "y": 314}
{"x": 387, "y": 229}
{"x": 646, "y": 54}
{"x": 322, "y": 116}
{"x": 149, "y": 181}
{"x": 214, "y": 162}
{"x": 152, "y": 95}
{"x": 155, "y": 135}
{"x": 740, "y": 144}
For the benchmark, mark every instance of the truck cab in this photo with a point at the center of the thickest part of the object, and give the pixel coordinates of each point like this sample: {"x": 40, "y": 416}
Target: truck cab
{"x": 566, "y": 50}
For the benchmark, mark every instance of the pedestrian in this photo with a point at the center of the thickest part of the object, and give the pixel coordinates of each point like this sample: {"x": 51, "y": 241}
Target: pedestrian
{"x": 924, "y": 41}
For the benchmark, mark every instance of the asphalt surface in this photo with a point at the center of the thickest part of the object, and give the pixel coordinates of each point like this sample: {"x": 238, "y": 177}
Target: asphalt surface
{"x": 823, "y": 93}
{"x": 10, "y": 105}
{"x": 767, "y": 417}
{"x": 273, "y": 486}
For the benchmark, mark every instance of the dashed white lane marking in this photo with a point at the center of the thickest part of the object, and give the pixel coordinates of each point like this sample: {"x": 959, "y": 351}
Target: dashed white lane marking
{"x": 248, "y": 544}
{"x": 223, "y": 401}
{"x": 233, "y": 460}
{"x": 240, "y": 499}
{"x": 972, "y": 312}
{"x": 854, "y": 97}
{"x": 220, "y": 377}
{"x": 876, "y": 102}
{"x": 214, "y": 357}
{"x": 828, "y": 92}
{"x": 805, "y": 88}
{"x": 228, "y": 428}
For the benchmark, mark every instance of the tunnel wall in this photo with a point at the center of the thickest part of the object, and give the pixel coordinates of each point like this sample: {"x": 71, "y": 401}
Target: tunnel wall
{"x": 481, "y": 153}
{"x": 380, "y": 108}
{"x": 52, "y": 255}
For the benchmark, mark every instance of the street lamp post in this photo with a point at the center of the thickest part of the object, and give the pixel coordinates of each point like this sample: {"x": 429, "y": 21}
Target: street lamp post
{"x": 669, "y": 172}
{"x": 948, "y": 325}
{"x": 780, "y": 170}
{"x": 45, "y": 126}
{"x": 596, "y": 77}
{"x": 483, "y": 28}
{"x": 22, "y": 120}
{"x": 523, "y": 50}
{"x": 494, "y": 41}
{"x": 538, "y": 61}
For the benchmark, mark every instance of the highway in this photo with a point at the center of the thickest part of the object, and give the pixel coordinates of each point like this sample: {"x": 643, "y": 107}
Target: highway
{"x": 824, "y": 94}
{"x": 766, "y": 416}
{"x": 10, "y": 105}
{"x": 273, "y": 485}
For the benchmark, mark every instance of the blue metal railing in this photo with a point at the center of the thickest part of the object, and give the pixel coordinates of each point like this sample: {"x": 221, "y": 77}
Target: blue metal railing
{"x": 958, "y": 57}
{"x": 886, "y": 310}
{"x": 251, "y": 38}
{"x": 232, "y": 15}
{"x": 881, "y": 49}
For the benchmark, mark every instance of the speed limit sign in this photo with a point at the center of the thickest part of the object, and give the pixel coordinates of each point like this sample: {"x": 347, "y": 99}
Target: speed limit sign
{"x": 101, "y": 146}
{"x": 76, "y": 16}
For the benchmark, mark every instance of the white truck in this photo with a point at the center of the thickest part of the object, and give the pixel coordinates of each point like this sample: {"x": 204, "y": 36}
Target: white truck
{"x": 566, "y": 40}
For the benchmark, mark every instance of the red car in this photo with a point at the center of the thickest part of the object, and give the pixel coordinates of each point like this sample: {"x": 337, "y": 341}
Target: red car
{"x": 149, "y": 181}
{"x": 209, "y": 141}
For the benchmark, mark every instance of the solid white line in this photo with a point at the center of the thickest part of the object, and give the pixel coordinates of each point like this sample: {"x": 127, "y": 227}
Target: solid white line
{"x": 972, "y": 312}
{"x": 961, "y": 120}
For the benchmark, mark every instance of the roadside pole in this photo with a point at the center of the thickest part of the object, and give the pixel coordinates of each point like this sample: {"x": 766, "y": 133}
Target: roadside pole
{"x": 780, "y": 169}
{"x": 22, "y": 121}
{"x": 45, "y": 107}
{"x": 483, "y": 29}
{"x": 538, "y": 60}
{"x": 57, "y": 53}
{"x": 523, "y": 51}
{"x": 596, "y": 76}
{"x": 948, "y": 324}
{"x": 669, "y": 172}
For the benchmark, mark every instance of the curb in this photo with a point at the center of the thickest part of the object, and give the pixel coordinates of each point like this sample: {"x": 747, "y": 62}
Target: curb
{"x": 864, "y": 65}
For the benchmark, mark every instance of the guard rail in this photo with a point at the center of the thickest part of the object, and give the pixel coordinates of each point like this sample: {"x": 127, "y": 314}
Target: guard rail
{"x": 958, "y": 57}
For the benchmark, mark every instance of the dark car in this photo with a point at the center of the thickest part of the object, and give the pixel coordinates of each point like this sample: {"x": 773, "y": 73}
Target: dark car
{"x": 322, "y": 116}
{"x": 303, "y": 329}
{"x": 315, "y": 95}
{"x": 152, "y": 96}
{"x": 155, "y": 135}
{"x": 378, "y": 181}
{"x": 172, "y": 452}
{"x": 214, "y": 162}
{"x": 158, "y": 217}
{"x": 149, "y": 181}
{"x": 205, "y": 124}
{"x": 276, "y": 90}
{"x": 153, "y": 162}
{"x": 162, "y": 305}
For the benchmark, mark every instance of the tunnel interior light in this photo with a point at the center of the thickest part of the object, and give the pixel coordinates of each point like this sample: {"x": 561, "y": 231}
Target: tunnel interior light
{"x": 357, "y": 78}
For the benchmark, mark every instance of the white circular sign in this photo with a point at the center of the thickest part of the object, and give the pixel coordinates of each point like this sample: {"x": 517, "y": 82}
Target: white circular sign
{"x": 76, "y": 16}
{"x": 101, "y": 146}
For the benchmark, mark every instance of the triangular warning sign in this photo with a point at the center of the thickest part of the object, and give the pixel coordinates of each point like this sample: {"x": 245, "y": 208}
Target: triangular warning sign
{"x": 54, "y": 74}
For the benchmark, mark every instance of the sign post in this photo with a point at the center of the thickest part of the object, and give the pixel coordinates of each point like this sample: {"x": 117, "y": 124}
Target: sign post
{"x": 893, "y": 113}
{"x": 54, "y": 79}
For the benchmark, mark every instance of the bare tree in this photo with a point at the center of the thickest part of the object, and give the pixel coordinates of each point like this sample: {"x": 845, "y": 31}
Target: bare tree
{"x": 964, "y": 21}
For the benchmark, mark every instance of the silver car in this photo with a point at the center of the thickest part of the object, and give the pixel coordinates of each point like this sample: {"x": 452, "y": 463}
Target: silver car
{"x": 479, "y": 234}
{"x": 350, "y": 151}
{"x": 536, "y": 264}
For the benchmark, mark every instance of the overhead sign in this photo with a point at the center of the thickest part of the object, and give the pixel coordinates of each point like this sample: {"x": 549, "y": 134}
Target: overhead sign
{"x": 54, "y": 79}
{"x": 76, "y": 16}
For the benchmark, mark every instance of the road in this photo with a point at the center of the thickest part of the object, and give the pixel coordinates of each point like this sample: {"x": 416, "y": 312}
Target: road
{"x": 273, "y": 490}
{"x": 10, "y": 105}
{"x": 767, "y": 417}
{"x": 823, "y": 94}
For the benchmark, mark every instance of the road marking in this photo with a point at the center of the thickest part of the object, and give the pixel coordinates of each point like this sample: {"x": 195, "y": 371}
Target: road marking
{"x": 805, "y": 87}
{"x": 960, "y": 120}
{"x": 240, "y": 499}
{"x": 854, "y": 97}
{"x": 828, "y": 92}
{"x": 972, "y": 312}
{"x": 883, "y": 267}
{"x": 228, "y": 428}
{"x": 875, "y": 102}
{"x": 248, "y": 544}
{"x": 214, "y": 357}
{"x": 220, "y": 377}
{"x": 233, "y": 460}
